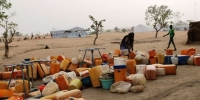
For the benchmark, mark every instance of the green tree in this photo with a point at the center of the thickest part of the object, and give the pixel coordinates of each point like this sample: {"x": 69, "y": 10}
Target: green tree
{"x": 123, "y": 30}
{"x": 96, "y": 26}
{"x": 158, "y": 17}
{"x": 116, "y": 29}
{"x": 4, "y": 5}
{"x": 9, "y": 27}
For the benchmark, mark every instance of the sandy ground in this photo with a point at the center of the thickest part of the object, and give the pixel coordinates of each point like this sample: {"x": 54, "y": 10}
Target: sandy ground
{"x": 183, "y": 86}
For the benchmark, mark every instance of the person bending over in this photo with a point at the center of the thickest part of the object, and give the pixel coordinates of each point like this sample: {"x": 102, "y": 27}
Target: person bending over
{"x": 127, "y": 42}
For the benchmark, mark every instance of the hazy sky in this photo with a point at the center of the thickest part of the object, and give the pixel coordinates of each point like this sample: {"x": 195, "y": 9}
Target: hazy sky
{"x": 41, "y": 16}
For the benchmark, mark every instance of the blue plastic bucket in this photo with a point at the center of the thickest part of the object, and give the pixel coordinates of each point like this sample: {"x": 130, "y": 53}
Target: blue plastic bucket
{"x": 106, "y": 83}
{"x": 86, "y": 81}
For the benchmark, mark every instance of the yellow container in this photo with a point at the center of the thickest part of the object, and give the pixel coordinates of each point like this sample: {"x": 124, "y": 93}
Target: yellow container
{"x": 75, "y": 84}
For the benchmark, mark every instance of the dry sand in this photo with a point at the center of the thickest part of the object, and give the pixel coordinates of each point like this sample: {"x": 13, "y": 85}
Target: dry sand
{"x": 183, "y": 86}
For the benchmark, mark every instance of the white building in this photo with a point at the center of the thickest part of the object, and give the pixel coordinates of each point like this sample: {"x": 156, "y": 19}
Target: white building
{"x": 74, "y": 32}
{"x": 140, "y": 28}
{"x": 181, "y": 26}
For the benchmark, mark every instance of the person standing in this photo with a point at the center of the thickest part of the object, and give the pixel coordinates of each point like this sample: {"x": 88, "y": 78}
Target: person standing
{"x": 171, "y": 37}
{"x": 32, "y": 36}
{"x": 127, "y": 42}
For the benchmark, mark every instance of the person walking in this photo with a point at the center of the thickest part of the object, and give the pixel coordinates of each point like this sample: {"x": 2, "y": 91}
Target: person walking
{"x": 171, "y": 37}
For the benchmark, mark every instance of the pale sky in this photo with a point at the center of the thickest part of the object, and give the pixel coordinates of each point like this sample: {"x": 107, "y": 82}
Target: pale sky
{"x": 41, "y": 16}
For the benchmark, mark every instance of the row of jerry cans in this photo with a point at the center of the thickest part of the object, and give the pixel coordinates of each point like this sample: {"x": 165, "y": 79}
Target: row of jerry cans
{"x": 189, "y": 52}
{"x": 149, "y": 71}
{"x": 132, "y": 68}
{"x": 183, "y": 60}
{"x": 120, "y": 71}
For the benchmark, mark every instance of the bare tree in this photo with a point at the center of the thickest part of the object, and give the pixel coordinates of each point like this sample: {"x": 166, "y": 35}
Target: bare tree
{"x": 157, "y": 15}
{"x": 10, "y": 30}
{"x": 9, "y": 27}
{"x": 96, "y": 26}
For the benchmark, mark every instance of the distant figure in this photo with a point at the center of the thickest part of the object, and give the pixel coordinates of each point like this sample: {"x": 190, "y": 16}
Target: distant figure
{"x": 51, "y": 35}
{"x": 38, "y": 37}
{"x": 3, "y": 40}
{"x": 44, "y": 37}
{"x": 79, "y": 35}
{"x": 25, "y": 38}
{"x": 46, "y": 47}
{"x": 0, "y": 40}
{"x": 18, "y": 39}
{"x": 31, "y": 36}
{"x": 171, "y": 37}
{"x": 35, "y": 37}
{"x": 127, "y": 42}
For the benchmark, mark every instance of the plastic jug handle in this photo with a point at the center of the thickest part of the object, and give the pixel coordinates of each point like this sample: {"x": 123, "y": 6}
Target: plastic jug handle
{"x": 118, "y": 71}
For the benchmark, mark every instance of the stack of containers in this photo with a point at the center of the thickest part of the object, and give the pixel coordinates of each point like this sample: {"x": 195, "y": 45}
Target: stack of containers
{"x": 119, "y": 69}
{"x": 152, "y": 57}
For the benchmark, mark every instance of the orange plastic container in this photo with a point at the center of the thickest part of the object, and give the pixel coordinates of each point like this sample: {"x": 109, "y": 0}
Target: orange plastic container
{"x": 132, "y": 55}
{"x": 117, "y": 52}
{"x": 191, "y": 53}
{"x": 4, "y": 93}
{"x": 3, "y": 84}
{"x": 110, "y": 61}
{"x": 119, "y": 73}
{"x": 61, "y": 58}
{"x": 197, "y": 60}
{"x": 192, "y": 49}
{"x": 62, "y": 82}
{"x": 54, "y": 68}
{"x": 130, "y": 66}
{"x": 88, "y": 62}
{"x": 152, "y": 53}
{"x": 98, "y": 62}
{"x": 184, "y": 52}
{"x": 6, "y": 75}
{"x": 19, "y": 87}
{"x": 7, "y": 68}
{"x": 153, "y": 60}
{"x": 41, "y": 73}
{"x": 169, "y": 52}
{"x": 150, "y": 72}
{"x": 64, "y": 64}
{"x": 73, "y": 67}
{"x": 95, "y": 73}
{"x": 169, "y": 69}
{"x": 16, "y": 74}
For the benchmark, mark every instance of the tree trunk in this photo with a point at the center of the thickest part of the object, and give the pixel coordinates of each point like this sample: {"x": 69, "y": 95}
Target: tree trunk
{"x": 95, "y": 38}
{"x": 156, "y": 34}
{"x": 6, "y": 49}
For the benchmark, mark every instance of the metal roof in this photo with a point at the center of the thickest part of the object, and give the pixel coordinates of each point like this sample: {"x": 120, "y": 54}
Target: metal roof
{"x": 77, "y": 29}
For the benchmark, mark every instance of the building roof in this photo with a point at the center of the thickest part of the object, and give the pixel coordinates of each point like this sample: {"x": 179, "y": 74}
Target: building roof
{"x": 140, "y": 25}
{"x": 181, "y": 23}
{"x": 77, "y": 29}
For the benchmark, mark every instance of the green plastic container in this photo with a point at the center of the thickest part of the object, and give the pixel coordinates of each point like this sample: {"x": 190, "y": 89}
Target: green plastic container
{"x": 106, "y": 83}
